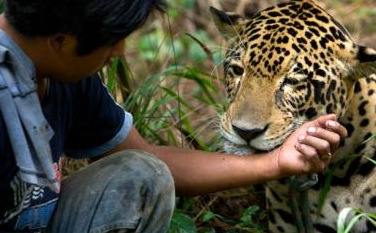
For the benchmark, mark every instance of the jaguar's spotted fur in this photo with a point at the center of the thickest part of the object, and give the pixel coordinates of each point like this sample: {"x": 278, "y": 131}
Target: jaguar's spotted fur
{"x": 288, "y": 64}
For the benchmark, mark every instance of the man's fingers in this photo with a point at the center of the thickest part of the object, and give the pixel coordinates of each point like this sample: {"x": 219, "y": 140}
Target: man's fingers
{"x": 321, "y": 120}
{"x": 336, "y": 127}
{"x": 316, "y": 141}
{"x": 311, "y": 158}
{"x": 329, "y": 122}
{"x": 329, "y": 138}
{"x": 322, "y": 146}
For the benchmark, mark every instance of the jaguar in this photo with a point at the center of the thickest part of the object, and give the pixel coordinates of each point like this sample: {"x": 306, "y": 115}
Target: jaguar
{"x": 286, "y": 65}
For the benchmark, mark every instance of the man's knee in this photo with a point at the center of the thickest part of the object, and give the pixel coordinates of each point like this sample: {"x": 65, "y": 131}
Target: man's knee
{"x": 144, "y": 179}
{"x": 146, "y": 168}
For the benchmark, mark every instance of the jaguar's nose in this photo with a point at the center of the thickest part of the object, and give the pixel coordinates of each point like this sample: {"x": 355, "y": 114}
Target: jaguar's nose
{"x": 248, "y": 134}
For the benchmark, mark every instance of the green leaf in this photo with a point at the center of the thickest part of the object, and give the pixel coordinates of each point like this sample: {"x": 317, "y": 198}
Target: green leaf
{"x": 207, "y": 216}
{"x": 248, "y": 213}
{"x": 182, "y": 223}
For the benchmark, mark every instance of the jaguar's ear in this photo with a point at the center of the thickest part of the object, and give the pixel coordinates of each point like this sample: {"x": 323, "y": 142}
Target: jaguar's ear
{"x": 228, "y": 24}
{"x": 365, "y": 62}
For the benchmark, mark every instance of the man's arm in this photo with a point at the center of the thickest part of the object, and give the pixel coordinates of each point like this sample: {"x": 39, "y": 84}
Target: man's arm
{"x": 198, "y": 172}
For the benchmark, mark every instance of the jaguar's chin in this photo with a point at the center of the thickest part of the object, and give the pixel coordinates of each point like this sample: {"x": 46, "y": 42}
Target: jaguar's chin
{"x": 243, "y": 150}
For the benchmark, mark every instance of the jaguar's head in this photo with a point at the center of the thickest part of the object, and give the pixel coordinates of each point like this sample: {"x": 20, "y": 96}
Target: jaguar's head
{"x": 283, "y": 66}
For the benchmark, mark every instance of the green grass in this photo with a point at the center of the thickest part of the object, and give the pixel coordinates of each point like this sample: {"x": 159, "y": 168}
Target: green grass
{"x": 164, "y": 107}
{"x": 344, "y": 225}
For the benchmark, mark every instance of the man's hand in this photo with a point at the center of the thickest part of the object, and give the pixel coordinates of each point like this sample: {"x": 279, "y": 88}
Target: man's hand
{"x": 310, "y": 148}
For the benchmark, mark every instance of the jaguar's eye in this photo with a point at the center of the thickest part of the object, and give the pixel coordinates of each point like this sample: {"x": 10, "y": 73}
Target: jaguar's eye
{"x": 239, "y": 71}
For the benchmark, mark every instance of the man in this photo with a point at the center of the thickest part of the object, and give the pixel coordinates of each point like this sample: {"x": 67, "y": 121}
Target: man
{"x": 52, "y": 102}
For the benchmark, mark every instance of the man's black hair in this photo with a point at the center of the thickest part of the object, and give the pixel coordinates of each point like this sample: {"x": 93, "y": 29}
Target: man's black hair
{"x": 94, "y": 23}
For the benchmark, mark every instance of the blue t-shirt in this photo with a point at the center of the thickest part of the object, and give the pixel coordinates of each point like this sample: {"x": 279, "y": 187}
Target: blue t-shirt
{"x": 86, "y": 121}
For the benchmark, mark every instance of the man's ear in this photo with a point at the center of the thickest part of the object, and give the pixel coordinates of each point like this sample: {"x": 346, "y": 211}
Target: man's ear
{"x": 62, "y": 44}
{"x": 228, "y": 24}
{"x": 365, "y": 62}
